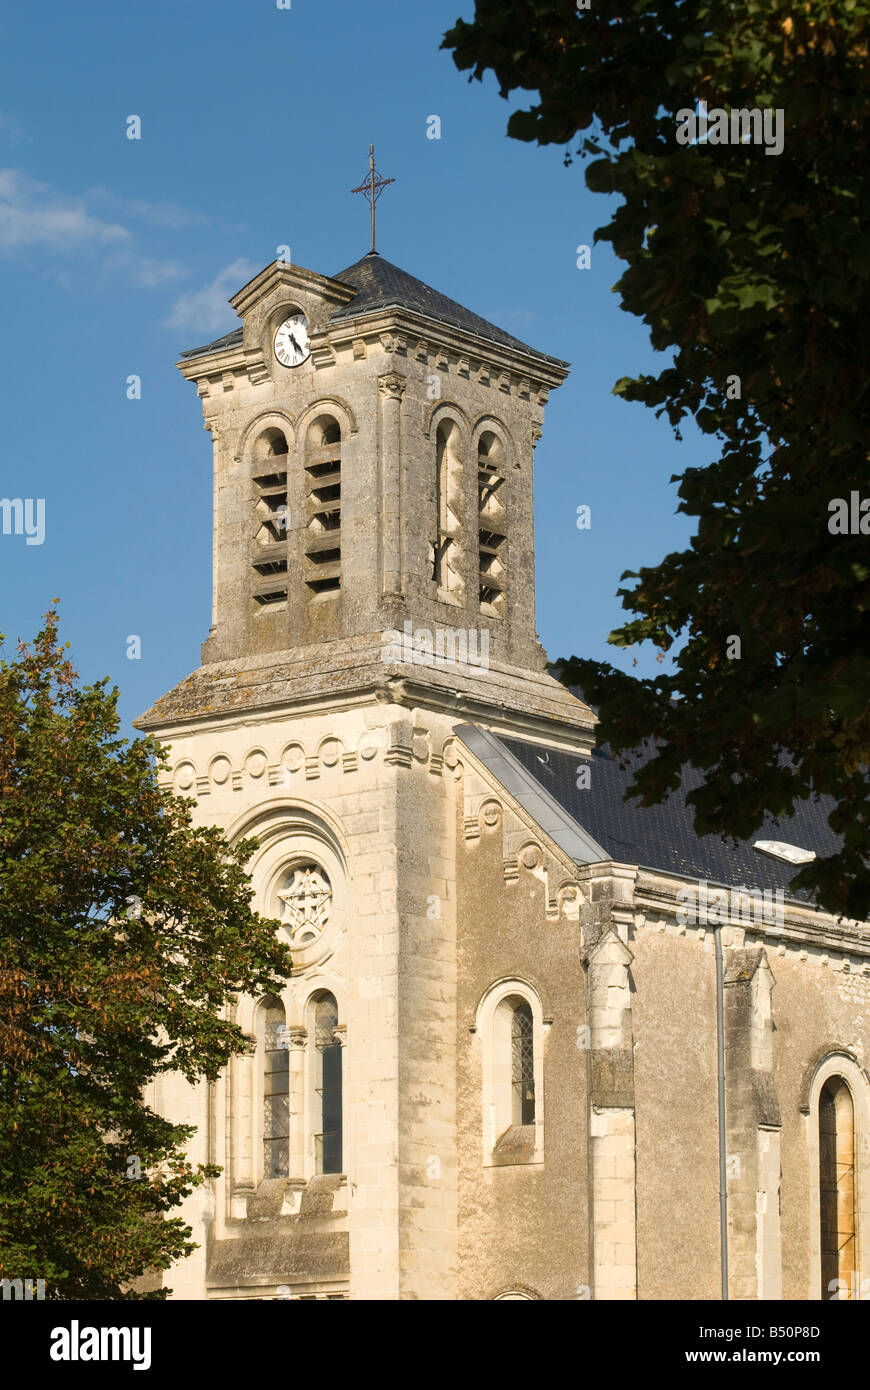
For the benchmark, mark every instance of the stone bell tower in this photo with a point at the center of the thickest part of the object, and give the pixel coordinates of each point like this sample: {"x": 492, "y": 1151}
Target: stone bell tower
{"x": 385, "y": 476}
{"x": 373, "y": 587}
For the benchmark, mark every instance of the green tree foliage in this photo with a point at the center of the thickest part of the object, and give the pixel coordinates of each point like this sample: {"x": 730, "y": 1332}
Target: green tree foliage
{"x": 751, "y": 269}
{"x": 125, "y": 933}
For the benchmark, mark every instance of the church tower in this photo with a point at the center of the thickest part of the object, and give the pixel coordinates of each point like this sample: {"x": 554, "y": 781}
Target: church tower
{"x": 373, "y": 587}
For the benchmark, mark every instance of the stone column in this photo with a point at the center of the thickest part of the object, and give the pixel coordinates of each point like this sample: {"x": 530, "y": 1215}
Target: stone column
{"x": 392, "y": 388}
{"x": 296, "y": 1041}
{"x": 753, "y": 1126}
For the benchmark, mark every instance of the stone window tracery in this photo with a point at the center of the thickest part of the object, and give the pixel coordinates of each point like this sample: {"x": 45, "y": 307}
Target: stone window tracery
{"x": 307, "y": 902}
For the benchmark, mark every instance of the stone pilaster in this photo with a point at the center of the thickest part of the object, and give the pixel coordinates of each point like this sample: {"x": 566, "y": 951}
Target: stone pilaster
{"x": 753, "y": 1126}
{"x": 296, "y": 1041}
{"x": 392, "y": 388}
{"x": 613, "y": 1219}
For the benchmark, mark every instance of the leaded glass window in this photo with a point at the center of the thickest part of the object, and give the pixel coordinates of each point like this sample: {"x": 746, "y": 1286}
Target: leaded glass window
{"x": 328, "y": 1087}
{"x": 276, "y": 1093}
{"x": 523, "y": 1065}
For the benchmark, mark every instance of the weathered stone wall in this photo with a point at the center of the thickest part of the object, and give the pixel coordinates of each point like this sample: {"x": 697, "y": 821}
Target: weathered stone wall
{"x": 388, "y": 381}
{"x": 521, "y": 1226}
{"x": 381, "y": 781}
{"x": 788, "y": 1006}
{"x": 674, "y": 1012}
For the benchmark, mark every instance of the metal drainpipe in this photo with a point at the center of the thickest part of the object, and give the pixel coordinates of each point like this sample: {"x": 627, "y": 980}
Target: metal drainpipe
{"x": 723, "y": 1168}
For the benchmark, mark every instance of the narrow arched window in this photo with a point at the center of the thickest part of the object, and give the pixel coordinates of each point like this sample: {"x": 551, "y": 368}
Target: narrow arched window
{"x": 276, "y": 1092}
{"x": 492, "y": 538}
{"x": 446, "y": 547}
{"x": 522, "y": 1064}
{"x": 327, "y": 1087}
{"x": 323, "y": 506}
{"x": 269, "y": 552}
{"x": 837, "y": 1188}
{"x": 511, "y": 1027}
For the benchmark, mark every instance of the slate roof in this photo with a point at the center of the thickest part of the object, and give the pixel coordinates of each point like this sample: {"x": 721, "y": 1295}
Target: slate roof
{"x": 381, "y": 285}
{"x": 663, "y": 837}
{"x": 227, "y": 341}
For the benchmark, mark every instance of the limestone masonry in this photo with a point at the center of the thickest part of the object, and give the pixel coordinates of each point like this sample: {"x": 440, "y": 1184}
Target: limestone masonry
{"x": 494, "y": 1074}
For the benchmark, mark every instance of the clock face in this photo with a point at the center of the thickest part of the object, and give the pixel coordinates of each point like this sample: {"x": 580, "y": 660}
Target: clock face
{"x": 291, "y": 341}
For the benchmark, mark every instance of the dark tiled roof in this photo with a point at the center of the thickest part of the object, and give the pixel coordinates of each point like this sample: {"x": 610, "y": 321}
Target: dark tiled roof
{"x": 227, "y": 341}
{"x": 381, "y": 285}
{"x": 663, "y": 837}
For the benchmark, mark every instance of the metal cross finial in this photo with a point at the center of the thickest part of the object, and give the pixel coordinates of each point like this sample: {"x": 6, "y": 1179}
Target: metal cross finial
{"x": 372, "y": 187}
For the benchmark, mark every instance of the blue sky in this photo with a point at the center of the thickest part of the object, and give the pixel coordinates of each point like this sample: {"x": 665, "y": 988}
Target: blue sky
{"x": 116, "y": 254}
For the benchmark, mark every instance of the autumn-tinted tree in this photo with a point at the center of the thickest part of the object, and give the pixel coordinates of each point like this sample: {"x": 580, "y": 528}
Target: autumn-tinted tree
{"x": 124, "y": 933}
{"x": 751, "y": 270}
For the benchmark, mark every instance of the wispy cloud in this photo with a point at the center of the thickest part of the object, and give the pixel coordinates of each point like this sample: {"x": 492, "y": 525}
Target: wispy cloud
{"x": 146, "y": 272}
{"x": 36, "y": 217}
{"x": 31, "y": 215}
{"x": 159, "y": 214}
{"x": 97, "y": 224}
{"x": 206, "y": 310}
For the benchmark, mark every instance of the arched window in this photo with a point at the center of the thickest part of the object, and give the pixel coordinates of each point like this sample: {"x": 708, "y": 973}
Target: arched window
{"x": 323, "y": 505}
{"x": 522, "y": 1063}
{"x": 511, "y": 1028}
{"x": 491, "y": 521}
{"x": 837, "y": 1188}
{"x": 446, "y": 547}
{"x": 327, "y": 1087}
{"x": 269, "y": 555}
{"x": 276, "y": 1091}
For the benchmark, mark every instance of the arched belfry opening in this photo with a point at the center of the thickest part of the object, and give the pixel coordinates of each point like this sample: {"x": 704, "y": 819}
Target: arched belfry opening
{"x": 492, "y": 531}
{"x": 271, "y": 514}
{"x": 447, "y": 545}
{"x": 322, "y": 560}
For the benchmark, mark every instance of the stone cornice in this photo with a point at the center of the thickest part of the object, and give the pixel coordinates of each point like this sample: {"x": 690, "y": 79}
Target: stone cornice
{"x": 351, "y": 672}
{"x": 804, "y": 926}
{"x": 441, "y": 338}
{"x": 396, "y": 333}
{"x": 568, "y": 732}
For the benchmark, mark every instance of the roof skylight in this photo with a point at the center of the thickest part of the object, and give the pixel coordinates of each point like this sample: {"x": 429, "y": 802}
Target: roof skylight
{"x": 779, "y": 849}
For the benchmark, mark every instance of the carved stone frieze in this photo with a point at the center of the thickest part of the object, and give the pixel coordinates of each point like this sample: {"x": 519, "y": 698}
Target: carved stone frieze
{"x": 401, "y": 745}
